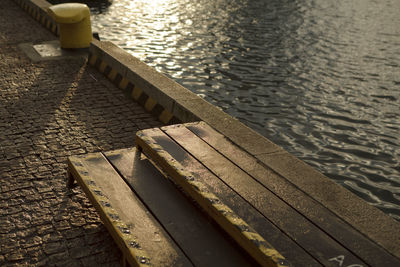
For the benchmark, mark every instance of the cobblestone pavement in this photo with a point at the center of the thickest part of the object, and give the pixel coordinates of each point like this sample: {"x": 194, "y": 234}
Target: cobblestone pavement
{"x": 48, "y": 111}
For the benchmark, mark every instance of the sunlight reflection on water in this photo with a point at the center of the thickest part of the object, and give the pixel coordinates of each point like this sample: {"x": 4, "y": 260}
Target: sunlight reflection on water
{"x": 319, "y": 78}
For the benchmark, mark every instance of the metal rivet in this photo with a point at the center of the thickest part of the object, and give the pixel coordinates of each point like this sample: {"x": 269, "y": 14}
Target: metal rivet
{"x": 260, "y": 243}
{"x": 98, "y": 192}
{"x": 214, "y": 200}
{"x": 134, "y": 244}
{"x": 190, "y": 178}
{"x": 115, "y": 217}
{"x": 283, "y": 262}
{"x": 106, "y": 204}
{"x": 144, "y": 260}
{"x": 243, "y": 227}
{"x": 124, "y": 230}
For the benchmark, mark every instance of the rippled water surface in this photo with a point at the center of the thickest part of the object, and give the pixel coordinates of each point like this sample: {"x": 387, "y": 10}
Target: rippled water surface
{"x": 320, "y": 78}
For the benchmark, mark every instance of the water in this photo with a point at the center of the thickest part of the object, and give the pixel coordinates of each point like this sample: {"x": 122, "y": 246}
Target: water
{"x": 319, "y": 78}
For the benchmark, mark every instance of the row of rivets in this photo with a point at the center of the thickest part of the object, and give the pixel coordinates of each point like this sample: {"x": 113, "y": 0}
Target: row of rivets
{"x": 250, "y": 234}
{"x": 113, "y": 217}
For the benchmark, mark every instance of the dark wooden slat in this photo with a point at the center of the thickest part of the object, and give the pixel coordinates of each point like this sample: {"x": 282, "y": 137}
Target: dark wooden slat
{"x": 238, "y": 229}
{"x": 370, "y": 221}
{"x": 126, "y": 218}
{"x": 310, "y": 237}
{"x": 295, "y": 254}
{"x": 359, "y": 244}
{"x": 200, "y": 240}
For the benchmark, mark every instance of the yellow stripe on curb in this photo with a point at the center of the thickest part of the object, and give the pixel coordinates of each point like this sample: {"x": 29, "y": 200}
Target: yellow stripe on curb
{"x": 103, "y": 66}
{"x": 235, "y": 226}
{"x": 113, "y": 73}
{"x": 92, "y": 60}
{"x": 36, "y": 13}
{"x": 165, "y": 116}
{"x": 123, "y": 83}
{"x": 136, "y": 93}
{"x": 150, "y": 104}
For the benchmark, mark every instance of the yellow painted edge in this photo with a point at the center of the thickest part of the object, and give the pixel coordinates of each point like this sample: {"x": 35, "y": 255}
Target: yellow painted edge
{"x": 119, "y": 230}
{"x": 247, "y": 237}
{"x": 92, "y": 60}
{"x": 165, "y": 116}
{"x": 123, "y": 83}
{"x": 136, "y": 92}
{"x": 102, "y": 66}
{"x": 150, "y": 104}
{"x": 113, "y": 73}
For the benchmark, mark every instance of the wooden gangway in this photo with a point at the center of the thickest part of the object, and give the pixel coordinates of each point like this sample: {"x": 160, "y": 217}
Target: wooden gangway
{"x": 186, "y": 195}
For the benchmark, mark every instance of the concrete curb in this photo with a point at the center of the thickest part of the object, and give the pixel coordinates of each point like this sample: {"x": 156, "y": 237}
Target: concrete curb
{"x": 38, "y": 10}
{"x": 167, "y": 99}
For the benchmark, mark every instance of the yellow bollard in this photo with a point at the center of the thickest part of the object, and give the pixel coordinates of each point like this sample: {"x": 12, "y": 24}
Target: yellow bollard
{"x": 74, "y": 24}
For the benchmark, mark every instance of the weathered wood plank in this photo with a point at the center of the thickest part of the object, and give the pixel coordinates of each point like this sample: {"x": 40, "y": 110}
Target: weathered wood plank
{"x": 289, "y": 247}
{"x": 198, "y": 238}
{"x": 235, "y": 226}
{"x": 311, "y": 238}
{"x": 369, "y": 220}
{"x": 139, "y": 236}
{"x": 359, "y": 244}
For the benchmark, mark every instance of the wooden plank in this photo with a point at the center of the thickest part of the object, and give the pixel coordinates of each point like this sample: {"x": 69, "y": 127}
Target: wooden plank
{"x": 198, "y": 238}
{"x": 271, "y": 231}
{"x": 369, "y": 220}
{"x": 359, "y": 244}
{"x": 310, "y": 237}
{"x": 139, "y": 236}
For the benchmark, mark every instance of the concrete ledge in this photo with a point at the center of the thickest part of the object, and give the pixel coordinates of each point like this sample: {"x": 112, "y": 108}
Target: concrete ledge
{"x": 174, "y": 99}
{"x": 38, "y": 10}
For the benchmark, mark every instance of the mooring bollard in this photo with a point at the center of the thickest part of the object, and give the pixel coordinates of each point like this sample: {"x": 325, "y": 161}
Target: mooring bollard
{"x": 74, "y": 24}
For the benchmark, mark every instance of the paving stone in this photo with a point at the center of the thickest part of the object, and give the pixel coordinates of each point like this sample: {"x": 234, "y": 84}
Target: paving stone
{"x": 53, "y": 237}
{"x": 94, "y": 238}
{"x": 34, "y": 241}
{"x": 8, "y": 246}
{"x": 54, "y": 247}
{"x": 16, "y": 255}
{"x": 44, "y": 229}
{"x": 79, "y": 252}
{"x": 59, "y": 257}
{"x": 49, "y": 111}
